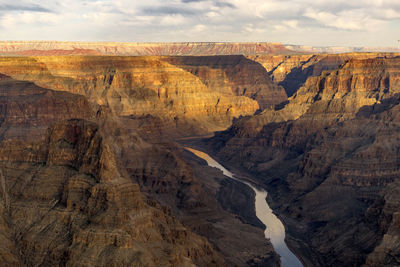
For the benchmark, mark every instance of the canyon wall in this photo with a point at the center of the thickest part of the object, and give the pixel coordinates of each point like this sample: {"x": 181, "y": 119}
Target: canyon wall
{"x": 88, "y": 149}
{"x": 329, "y": 159}
{"x": 140, "y": 86}
{"x": 42, "y": 48}
{"x": 291, "y": 71}
{"x": 88, "y": 166}
{"x": 64, "y": 202}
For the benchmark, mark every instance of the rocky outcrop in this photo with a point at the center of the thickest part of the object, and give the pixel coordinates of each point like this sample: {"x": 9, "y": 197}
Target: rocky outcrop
{"x": 330, "y": 161}
{"x": 73, "y": 207}
{"x": 30, "y": 48}
{"x": 26, "y": 110}
{"x": 121, "y": 194}
{"x": 141, "y": 86}
{"x": 190, "y": 190}
{"x": 234, "y": 74}
{"x": 341, "y": 49}
{"x": 291, "y": 71}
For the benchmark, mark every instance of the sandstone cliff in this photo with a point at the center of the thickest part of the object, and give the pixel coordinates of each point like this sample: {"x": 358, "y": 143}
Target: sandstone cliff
{"x": 140, "y": 86}
{"x": 32, "y": 48}
{"x": 27, "y": 109}
{"x": 330, "y": 161}
{"x": 65, "y": 202}
{"x": 118, "y": 198}
{"x": 234, "y": 74}
{"x": 291, "y": 71}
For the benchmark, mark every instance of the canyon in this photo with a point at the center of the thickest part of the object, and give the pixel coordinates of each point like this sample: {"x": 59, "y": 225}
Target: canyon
{"x": 93, "y": 169}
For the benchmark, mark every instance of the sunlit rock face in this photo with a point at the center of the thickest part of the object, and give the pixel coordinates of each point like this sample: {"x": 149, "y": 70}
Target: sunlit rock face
{"x": 331, "y": 157}
{"x": 196, "y": 103}
{"x": 51, "y": 48}
{"x": 80, "y": 159}
{"x": 234, "y": 74}
{"x": 291, "y": 71}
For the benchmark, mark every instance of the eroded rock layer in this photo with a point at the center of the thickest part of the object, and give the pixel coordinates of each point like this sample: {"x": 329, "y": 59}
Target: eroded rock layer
{"x": 64, "y": 202}
{"x": 35, "y": 48}
{"x": 140, "y": 86}
{"x": 234, "y": 74}
{"x": 291, "y": 71}
{"x": 330, "y": 159}
{"x": 89, "y": 178}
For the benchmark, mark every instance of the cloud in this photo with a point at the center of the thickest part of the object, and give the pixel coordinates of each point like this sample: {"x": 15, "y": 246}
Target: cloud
{"x": 33, "y": 8}
{"x": 214, "y": 2}
{"x": 295, "y": 21}
{"x": 167, "y": 10}
{"x": 172, "y": 20}
{"x": 346, "y": 20}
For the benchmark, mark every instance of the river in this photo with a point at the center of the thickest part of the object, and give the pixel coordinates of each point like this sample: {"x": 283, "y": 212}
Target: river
{"x": 275, "y": 231}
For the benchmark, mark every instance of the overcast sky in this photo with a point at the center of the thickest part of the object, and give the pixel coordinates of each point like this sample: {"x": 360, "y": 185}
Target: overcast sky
{"x": 309, "y": 22}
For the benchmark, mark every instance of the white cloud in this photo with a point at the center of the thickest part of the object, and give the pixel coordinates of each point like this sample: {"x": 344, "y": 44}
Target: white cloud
{"x": 172, "y": 20}
{"x": 212, "y": 20}
{"x": 356, "y": 19}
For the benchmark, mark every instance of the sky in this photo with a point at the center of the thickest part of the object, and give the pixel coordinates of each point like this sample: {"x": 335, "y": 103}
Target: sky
{"x": 306, "y": 22}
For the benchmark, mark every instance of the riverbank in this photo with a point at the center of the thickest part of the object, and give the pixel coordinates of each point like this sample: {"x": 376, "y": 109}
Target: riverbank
{"x": 275, "y": 230}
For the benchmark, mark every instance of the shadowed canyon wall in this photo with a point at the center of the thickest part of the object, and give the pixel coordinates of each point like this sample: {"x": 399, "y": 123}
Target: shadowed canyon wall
{"x": 329, "y": 158}
{"x": 91, "y": 173}
{"x": 78, "y": 173}
{"x": 291, "y": 71}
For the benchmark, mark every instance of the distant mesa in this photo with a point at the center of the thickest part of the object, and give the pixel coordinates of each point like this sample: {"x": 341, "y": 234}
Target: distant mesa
{"x": 56, "y": 48}
{"x": 35, "y": 48}
{"x": 340, "y": 49}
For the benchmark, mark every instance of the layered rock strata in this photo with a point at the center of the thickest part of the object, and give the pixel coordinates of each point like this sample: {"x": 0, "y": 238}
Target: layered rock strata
{"x": 31, "y": 48}
{"x": 119, "y": 199}
{"x": 291, "y": 71}
{"x": 330, "y": 161}
{"x": 141, "y": 86}
{"x": 234, "y": 75}
{"x": 65, "y": 202}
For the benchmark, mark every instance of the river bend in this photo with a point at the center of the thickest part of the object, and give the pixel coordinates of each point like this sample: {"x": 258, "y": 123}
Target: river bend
{"x": 275, "y": 231}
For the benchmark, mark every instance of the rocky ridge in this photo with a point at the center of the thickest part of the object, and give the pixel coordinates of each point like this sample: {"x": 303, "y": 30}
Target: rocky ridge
{"x": 84, "y": 196}
{"x": 67, "y": 191}
{"x": 333, "y": 144}
{"x": 43, "y": 48}
{"x": 291, "y": 71}
{"x": 140, "y": 86}
{"x": 330, "y": 160}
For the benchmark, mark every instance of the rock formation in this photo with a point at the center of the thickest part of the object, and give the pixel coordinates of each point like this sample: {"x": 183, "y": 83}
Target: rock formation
{"x": 64, "y": 202}
{"x": 89, "y": 177}
{"x": 51, "y": 48}
{"x": 234, "y": 74}
{"x": 330, "y": 161}
{"x": 91, "y": 172}
{"x": 291, "y": 71}
{"x": 140, "y": 86}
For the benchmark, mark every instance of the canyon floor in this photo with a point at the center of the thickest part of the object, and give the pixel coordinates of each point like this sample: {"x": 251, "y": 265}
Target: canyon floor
{"x": 93, "y": 170}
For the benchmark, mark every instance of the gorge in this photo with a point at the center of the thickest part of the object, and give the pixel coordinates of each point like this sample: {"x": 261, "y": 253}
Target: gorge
{"x": 94, "y": 170}
{"x": 275, "y": 230}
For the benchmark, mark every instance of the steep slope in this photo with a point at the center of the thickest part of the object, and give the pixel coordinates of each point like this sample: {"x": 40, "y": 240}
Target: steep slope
{"x": 118, "y": 198}
{"x": 291, "y": 71}
{"x": 138, "y": 86}
{"x": 26, "y": 110}
{"x": 65, "y": 202}
{"x": 233, "y": 74}
{"x": 190, "y": 190}
{"x": 330, "y": 161}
